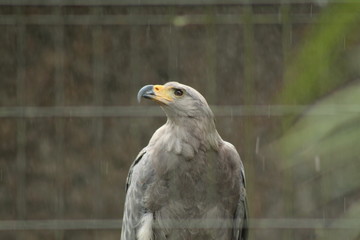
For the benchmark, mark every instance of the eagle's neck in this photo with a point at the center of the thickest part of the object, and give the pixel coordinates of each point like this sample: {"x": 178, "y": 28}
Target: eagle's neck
{"x": 195, "y": 131}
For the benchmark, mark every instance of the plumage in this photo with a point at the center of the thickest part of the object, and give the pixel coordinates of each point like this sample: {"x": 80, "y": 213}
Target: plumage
{"x": 187, "y": 183}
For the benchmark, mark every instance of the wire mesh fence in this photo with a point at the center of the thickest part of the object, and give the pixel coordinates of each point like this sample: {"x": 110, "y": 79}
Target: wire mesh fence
{"x": 71, "y": 126}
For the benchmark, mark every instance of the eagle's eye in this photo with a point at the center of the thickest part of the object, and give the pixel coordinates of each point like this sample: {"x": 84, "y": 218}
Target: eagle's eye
{"x": 178, "y": 92}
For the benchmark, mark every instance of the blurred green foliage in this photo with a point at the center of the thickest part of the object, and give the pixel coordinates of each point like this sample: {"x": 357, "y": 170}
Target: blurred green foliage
{"x": 321, "y": 148}
{"x": 314, "y": 73}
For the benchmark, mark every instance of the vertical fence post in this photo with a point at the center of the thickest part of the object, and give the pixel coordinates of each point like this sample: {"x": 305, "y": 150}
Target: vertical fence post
{"x": 211, "y": 55}
{"x": 59, "y": 123}
{"x": 173, "y": 50}
{"x": 135, "y": 70}
{"x": 249, "y": 99}
{"x": 135, "y": 45}
{"x": 286, "y": 31}
{"x": 98, "y": 124}
{"x": 289, "y": 174}
{"x": 20, "y": 122}
{"x": 248, "y": 54}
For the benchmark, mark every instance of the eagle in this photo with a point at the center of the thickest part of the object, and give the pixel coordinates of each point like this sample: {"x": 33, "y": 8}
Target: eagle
{"x": 187, "y": 183}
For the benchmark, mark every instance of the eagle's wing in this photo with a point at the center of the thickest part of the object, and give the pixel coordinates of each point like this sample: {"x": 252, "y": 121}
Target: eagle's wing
{"x": 240, "y": 221}
{"x": 241, "y": 215}
{"x": 136, "y": 161}
{"x": 139, "y": 175}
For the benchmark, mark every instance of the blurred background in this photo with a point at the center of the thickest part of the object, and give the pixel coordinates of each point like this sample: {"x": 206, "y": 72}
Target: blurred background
{"x": 283, "y": 78}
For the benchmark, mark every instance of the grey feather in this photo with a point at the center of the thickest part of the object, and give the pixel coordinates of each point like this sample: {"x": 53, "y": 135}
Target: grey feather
{"x": 139, "y": 175}
{"x": 189, "y": 180}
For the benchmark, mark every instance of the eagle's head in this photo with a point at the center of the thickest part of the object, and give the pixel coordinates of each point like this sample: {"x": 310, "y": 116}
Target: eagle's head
{"x": 177, "y": 100}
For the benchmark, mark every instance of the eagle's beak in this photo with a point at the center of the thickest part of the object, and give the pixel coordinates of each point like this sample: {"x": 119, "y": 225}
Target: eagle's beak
{"x": 158, "y": 93}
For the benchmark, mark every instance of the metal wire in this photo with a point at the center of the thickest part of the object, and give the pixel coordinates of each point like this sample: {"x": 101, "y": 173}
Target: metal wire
{"x": 155, "y": 111}
{"x": 154, "y": 2}
{"x": 275, "y": 223}
{"x": 144, "y": 19}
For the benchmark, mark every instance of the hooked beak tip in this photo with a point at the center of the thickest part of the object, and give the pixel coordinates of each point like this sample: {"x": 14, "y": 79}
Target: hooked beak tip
{"x": 145, "y": 92}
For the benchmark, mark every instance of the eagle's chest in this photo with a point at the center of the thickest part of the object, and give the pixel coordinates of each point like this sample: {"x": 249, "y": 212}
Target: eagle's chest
{"x": 187, "y": 192}
{"x": 185, "y": 185}
{"x": 189, "y": 201}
